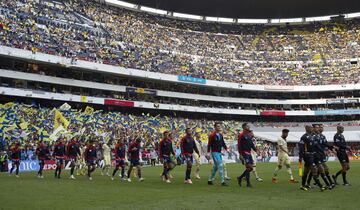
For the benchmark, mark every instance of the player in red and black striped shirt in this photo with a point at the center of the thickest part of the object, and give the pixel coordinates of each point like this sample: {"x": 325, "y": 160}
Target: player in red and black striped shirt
{"x": 134, "y": 152}
{"x": 90, "y": 157}
{"x": 165, "y": 151}
{"x": 188, "y": 146}
{"x": 59, "y": 154}
{"x": 15, "y": 157}
{"x": 245, "y": 145}
{"x": 72, "y": 152}
{"x": 42, "y": 153}
{"x": 119, "y": 158}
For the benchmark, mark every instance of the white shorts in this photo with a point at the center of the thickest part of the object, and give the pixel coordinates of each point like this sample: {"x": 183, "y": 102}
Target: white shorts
{"x": 196, "y": 158}
{"x": 254, "y": 157}
{"x": 107, "y": 161}
{"x": 283, "y": 160}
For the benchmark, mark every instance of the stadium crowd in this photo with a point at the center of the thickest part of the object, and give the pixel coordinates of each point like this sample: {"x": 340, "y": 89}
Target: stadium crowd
{"x": 272, "y": 55}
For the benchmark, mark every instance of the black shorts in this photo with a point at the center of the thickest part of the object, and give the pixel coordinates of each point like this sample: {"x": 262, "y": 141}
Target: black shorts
{"x": 73, "y": 159}
{"x": 120, "y": 162}
{"x": 319, "y": 158}
{"x": 59, "y": 161}
{"x": 342, "y": 156}
{"x": 309, "y": 160}
{"x": 248, "y": 159}
{"x": 90, "y": 162}
{"x": 135, "y": 162}
{"x": 15, "y": 162}
{"x": 189, "y": 158}
{"x": 41, "y": 162}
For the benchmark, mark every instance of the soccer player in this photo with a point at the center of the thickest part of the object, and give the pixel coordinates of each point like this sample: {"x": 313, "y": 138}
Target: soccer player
{"x": 59, "y": 154}
{"x": 319, "y": 155}
{"x": 197, "y": 157}
{"x": 307, "y": 146}
{"x": 188, "y": 147}
{"x": 173, "y": 162}
{"x": 106, "y": 158}
{"x": 283, "y": 157}
{"x": 42, "y": 153}
{"x": 215, "y": 144}
{"x": 340, "y": 146}
{"x": 165, "y": 152}
{"x": 119, "y": 158}
{"x": 134, "y": 151}
{"x": 90, "y": 156}
{"x": 15, "y": 158}
{"x": 254, "y": 157}
{"x": 224, "y": 166}
{"x": 72, "y": 152}
{"x": 245, "y": 145}
{"x": 325, "y": 147}
{"x": 81, "y": 164}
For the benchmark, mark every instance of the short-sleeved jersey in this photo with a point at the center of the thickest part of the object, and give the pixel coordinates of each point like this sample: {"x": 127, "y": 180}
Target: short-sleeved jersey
{"x": 282, "y": 142}
{"x": 339, "y": 141}
{"x": 106, "y": 150}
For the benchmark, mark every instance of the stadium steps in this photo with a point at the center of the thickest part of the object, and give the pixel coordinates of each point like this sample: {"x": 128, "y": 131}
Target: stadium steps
{"x": 241, "y": 43}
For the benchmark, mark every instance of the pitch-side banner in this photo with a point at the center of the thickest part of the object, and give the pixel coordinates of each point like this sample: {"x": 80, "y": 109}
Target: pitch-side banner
{"x": 33, "y": 165}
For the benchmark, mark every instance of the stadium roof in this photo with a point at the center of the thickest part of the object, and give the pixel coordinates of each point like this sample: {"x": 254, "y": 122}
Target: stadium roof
{"x": 255, "y": 8}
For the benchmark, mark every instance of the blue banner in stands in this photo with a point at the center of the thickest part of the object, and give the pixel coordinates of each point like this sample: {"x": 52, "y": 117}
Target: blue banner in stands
{"x": 191, "y": 79}
{"x": 338, "y": 112}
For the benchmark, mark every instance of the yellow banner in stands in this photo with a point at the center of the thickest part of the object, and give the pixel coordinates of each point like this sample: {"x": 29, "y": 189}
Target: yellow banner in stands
{"x": 59, "y": 119}
{"x": 140, "y": 90}
{"x": 83, "y": 98}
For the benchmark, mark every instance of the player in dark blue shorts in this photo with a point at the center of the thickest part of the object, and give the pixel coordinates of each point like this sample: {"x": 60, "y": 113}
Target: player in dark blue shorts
{"x": 134, "y": 152}
{"x": 245, "y": 145}
{"x": 188, "y": 146}
{"x": 119, "y": 158}
{"x": 90, "y": 158}
{"x": 42, "y": 153}
{"x": 341, "y": 148}
{"x": 15, "y": 158}
{"x": 59, "y": 154}
{"x": 72, "y": 152}
{"x": 307, "y": 151}
{"x": 165, "y": 152}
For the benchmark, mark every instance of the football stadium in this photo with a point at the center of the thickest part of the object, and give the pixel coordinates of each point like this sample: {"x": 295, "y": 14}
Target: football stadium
{"x": 164, "y": 104}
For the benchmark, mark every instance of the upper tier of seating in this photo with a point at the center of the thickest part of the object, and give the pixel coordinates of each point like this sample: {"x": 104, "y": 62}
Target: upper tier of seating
{"x": 310, "y": 54}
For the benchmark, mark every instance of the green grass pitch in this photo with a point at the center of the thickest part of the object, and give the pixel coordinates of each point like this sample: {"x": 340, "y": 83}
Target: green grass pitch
{"x": 28, "y": 192}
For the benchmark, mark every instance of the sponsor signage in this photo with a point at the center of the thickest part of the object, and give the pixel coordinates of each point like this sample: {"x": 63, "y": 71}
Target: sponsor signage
{"x": 338, "y": 112}
{"x": 33, "y": 165}
{"x": 272, "y": 113}
{"x": 342, "y": 101}
{"x": 140, "y": 90}
{"x": 191, "y": 79}
{"x": 116, "y": 102}
{"x": 278, "y": 87}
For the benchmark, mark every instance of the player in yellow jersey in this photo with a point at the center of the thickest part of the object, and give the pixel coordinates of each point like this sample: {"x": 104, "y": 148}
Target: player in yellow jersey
{"x": 106, "y": 150}
{"x": 197, "y": 157}
{"x": 283, "y": 157}
{"x": 254, "y": 157}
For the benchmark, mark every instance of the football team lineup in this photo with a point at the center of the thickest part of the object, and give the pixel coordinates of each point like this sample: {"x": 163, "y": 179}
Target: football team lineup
{"x": 313, "y": 148}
